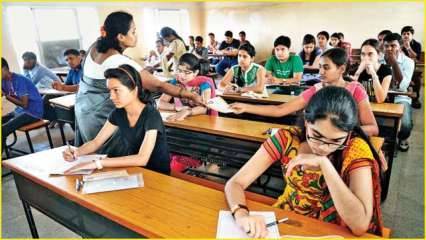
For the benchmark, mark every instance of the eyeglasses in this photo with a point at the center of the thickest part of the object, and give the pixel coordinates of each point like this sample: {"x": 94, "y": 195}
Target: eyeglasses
{"x": 328, "y": 144}
{"x": 186, "y": 72}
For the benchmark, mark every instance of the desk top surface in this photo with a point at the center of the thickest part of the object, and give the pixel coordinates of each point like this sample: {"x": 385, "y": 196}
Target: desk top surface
{"x": 67, "y": 101}
{"x": 51, "y": 91}
{"x": 237, "y": 128}
{"x": 379, "y": 109}
{"x": 164, "y": 207}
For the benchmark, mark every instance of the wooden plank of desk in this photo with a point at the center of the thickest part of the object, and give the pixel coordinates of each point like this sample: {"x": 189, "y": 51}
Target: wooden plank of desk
{"x": 387, "y": 109}
{"x": 379, "y": 109}
{"x": 67, "y": 101}
{"x": 165, "y": 207}
{"x": 230, "y": 127}
{"x": 237, "y": 128}
{"x": 51, "y": 91}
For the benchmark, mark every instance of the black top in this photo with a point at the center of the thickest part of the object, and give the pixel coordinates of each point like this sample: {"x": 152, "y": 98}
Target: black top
{"x": 382, "y": 72}
{"x": 417, "y": 48}
{"x": 132, "y": 137}
{"x": 234, "y": 44}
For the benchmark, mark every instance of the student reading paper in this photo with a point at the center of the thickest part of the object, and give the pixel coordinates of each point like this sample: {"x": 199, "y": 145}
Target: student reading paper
{"x": 331, "y": 170}
{"x": 137, "y": 122}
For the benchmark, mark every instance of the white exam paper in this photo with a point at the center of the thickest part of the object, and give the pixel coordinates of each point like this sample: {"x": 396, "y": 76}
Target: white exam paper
{"x": 227, "y": 228}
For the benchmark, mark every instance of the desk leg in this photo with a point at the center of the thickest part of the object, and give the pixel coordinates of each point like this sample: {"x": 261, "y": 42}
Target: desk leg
{"x": 385, "y": 186}
{"x": 61, "y": 129}
{"x": 30, "y": 219}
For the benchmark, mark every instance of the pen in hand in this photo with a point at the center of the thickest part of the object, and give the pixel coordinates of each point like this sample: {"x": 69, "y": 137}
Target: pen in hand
{"x": 71, "y": 151}
{"x": 276, "y": 222}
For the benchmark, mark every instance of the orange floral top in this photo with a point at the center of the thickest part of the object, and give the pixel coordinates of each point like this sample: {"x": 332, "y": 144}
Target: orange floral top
{"x": 306, "y": 191}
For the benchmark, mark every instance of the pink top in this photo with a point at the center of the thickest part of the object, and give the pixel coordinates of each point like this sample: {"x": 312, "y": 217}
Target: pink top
{"x": 355, "y": 88}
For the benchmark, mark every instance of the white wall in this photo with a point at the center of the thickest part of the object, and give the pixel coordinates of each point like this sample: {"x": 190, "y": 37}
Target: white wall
{"x": 358, "y": 21}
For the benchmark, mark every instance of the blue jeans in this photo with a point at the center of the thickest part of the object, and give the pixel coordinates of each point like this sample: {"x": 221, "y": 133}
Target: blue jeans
{"x": 226, "y": 62}
{"x": 12, "y": 121}
{"x": 406, "y": 122}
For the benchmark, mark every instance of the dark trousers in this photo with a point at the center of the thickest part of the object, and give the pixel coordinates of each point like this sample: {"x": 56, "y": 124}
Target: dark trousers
{"x": 11, "y": 122}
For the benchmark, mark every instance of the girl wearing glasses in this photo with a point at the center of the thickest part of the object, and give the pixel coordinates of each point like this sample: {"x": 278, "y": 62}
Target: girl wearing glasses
{"x": 332, "y": 66}
{"x": 246, "y": 75}
{"x": 134, "y": 120}
{"x": 331, "y": 171}
{"x": 189, "y": 76}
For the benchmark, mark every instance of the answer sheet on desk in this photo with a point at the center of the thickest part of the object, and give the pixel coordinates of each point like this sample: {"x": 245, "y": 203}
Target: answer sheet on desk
{"x": 227, "y": 228}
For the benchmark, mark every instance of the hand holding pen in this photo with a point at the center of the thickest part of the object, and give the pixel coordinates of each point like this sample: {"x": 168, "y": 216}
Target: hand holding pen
{"x": 69, "y": 154}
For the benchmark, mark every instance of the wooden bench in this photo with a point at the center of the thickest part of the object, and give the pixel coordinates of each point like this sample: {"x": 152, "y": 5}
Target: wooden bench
{"x": 249, "y": 195}
{"x": 33, "y": 126}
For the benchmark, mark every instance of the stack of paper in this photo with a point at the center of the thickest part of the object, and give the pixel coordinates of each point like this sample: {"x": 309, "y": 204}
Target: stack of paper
{"x": 111, "y": 181}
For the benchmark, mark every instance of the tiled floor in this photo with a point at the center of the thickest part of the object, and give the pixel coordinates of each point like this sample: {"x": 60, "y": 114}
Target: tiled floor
{"x": 403, "y": 210}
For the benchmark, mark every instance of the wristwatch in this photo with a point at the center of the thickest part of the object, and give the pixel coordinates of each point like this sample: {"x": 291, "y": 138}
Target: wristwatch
{"x": 237, "y": 207}
{"x": 98, "y": 163}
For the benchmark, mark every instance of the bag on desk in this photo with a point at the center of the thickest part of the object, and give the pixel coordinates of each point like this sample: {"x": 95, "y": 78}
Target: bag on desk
{"x": 179, "y": 163}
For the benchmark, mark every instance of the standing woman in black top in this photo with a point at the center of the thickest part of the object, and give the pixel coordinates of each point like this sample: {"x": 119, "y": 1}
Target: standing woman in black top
{"x": 138, "y": 122}
{"x": 374, "y": 76}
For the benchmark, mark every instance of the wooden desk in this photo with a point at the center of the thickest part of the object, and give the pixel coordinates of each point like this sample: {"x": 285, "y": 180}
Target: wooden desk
{"x": 379, "y": 109}
{"x": 64, "y": 109}
{"x": 61, "y": 71}
{"x": 384, "y": 110}
{"x": 67, "y": 101}
{"x": 51, "y": 91}
{"x": 237, "y": 128}
{"x": 165, "y": 207}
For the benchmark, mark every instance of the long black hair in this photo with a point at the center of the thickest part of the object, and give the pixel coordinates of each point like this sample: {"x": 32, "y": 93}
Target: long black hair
{"x": 338, "y": 105}
{"x": 129, "y": 77}
{"x": 168, "y": 31}
{"x": 308, "y": 39}
{"x": 115, "y": 23}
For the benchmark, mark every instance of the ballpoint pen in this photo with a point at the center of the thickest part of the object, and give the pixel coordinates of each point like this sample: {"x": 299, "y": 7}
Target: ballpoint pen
{"x": 277, "y": 222}
{"x": 72, "y": 152}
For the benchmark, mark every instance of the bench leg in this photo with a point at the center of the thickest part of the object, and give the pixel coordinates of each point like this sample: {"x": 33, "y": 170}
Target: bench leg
{"x": 30, "y": 144}
{"x": 48, "y": 136}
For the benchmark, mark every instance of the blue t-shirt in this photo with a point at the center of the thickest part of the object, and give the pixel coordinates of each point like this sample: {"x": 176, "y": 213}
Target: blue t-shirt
{"x": 22, "y": 86}
{"x": 74, "y": 76}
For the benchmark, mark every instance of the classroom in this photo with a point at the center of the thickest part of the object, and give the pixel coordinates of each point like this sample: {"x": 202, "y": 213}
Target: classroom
{"x": 213, "y": 119}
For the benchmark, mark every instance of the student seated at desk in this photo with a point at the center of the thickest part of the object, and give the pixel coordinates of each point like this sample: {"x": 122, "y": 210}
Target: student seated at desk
{"x": 330, "y": 167}
{"x": 247, "y": 75}
{"x": 138, "y": 123}
{"x": 189, "y": 77}
{"x": 410, "y": 47}
{"x": 72, "y": 57}
{"x": 374, "y": 76}
{"x": 20, "y": 91}
{"x": 229, "y": 49}
{"x": 310, "y": 53}
{"x": 332, "y": 67}
{"x": 402, "y": 72}
{"x": 283, "y": 67}
{"x": 41, "y": 76}
{"x": 323, "y": 44}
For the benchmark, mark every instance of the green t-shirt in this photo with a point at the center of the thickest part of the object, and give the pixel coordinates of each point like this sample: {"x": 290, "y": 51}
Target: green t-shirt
{"x": 245, "y": 79}
{"x": 286, "y": 69}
